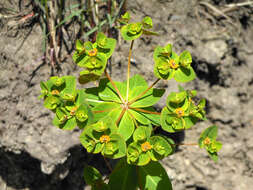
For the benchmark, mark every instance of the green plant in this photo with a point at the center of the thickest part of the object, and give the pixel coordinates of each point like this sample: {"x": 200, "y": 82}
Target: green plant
{"x": 58, "y": 18}
{"x": 118, "y": 118}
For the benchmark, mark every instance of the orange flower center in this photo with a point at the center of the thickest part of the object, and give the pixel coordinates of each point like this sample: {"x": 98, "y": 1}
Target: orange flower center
{"x": 55, "y": 92}
{"x": 173, "y": 64}
{"x": 145, "y": 146}
{"x": 179, "y": 112}
{"x": 93, "y": 52}
{"x": 73, "y": 111}
{"x": 104, "y": 139}
{"x": 207, "y": 141}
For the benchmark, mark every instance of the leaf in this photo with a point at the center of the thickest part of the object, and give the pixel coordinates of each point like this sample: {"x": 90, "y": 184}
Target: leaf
{"x": 123, "y": 177}
{"x": 153, "y": 177}
{"x": 105, "y": 45}
{"x": 137, "y": 80}
{"x": 150, "y": 33}
{"x": 131, "y": 31}
{"x": 69, "y": 125}
{"x": 107, "y": 91}
{"x": 52, "y": 102}
{"x": 106, "y": 108}
{"x": 87, "y": 76}
{"x": 69, "y": 92}
{"x": 184, "y": 74}
{"x": 139, "y": 117}
{"x": 79, "y": 45}
{"x": 147, "y": 22}
{"x": 148, "y": 99}
{"x": 120, "y": 144}
{"x": 185, "y": 59}
{"x": 153, "y": 118}
{"x": 210, "y": 132}
{"x": 91, "y": 96}
{"x": 164, "y": 124}
{"x": 142, "y": 133}
{"x": 91, "y": 175}
{"x": 126, "y": 126}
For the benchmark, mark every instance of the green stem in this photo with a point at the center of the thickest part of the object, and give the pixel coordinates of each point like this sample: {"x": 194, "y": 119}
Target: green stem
{"x": 108, "y": 164}
{"x": 144, "y": 92}
{"x": 120, "y": 116}
{"x": 128, "y": 67}
{"x": 145, "y": 111}
{"x": 115, "y": 87}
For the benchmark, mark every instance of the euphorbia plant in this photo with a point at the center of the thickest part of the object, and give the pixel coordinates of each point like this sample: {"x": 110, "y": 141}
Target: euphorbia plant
{"x": 118, "y": 118}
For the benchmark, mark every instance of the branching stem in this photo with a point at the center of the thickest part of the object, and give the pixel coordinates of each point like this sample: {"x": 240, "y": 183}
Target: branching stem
{"x": 115, "y": 87}
{"x": 108, "y": 164}
{"x": 128, "y": 67}
{"x": 145, "y": 111}
{"x": 120, "y": 116}
{"x": 144, "y": 92}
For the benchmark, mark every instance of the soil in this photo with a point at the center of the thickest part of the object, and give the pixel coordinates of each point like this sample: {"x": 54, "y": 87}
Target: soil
{"x": 35, "y": 155}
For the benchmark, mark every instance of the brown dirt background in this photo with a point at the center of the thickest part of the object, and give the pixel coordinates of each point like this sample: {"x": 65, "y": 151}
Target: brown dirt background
{"x": 34, "y": 155}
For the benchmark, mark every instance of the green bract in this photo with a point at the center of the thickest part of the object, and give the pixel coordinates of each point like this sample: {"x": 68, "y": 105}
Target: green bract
{"x": 169, "y": 65}
{"x": 181, "y": 111}
{"x": 93, "y": 57}
{"x": 118, "y": 118}
{"x": 103, "y": 137}
{"x": 132, "y": 31}
{"x": 208, "y": 141}
{"x": 146, "y": 148}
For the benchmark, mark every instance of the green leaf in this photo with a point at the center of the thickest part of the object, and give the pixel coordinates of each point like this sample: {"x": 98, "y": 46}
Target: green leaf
{"x": 57, "y": 81}
{"x": 87, "y": 76}
{"x": 139, "y": 117}
{"x": 69, "y": 92}
{"x": 91, "y": 175}
{"x": 119, "y": 143}
{"x": 154, "y": 177}
{"x": 147, "y": 23}
{"x": 213, "y": 156}
{"x": 148, "y": 99}
{"x": 126, "y": 126}
{"x": 106, "y": 108}
{"x": 124, "y": 18}
{"x": 131, "y": 31}
{"x": 123, "y": 177}
{"x": 142, "y": 133}
{"x": 176, "y": 97}
{"x": 185, "y": 59}
{"x": 137, "y": 80}
{"x": 91, "y": 96}
{"x": 79, "y": 46}
{"x": 52, "y": 102}
{"x": 161, "y": 147}
{"x": 105, "y": 45}
{"x": 153, "y": 118}
{"x": 150, "y": 33}
{"x": 70, "y": 124}
{"x": 210, "y": 132}
{"x": 164, "y": 124}
{"x": 184, "y": 74}
{"x": 107, "y": 91}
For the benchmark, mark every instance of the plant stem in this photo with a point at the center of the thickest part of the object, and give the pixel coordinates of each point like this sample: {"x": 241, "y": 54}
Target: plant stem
{"x": 108, "y": 164}
{"x": 144, "y": 92}
{"x": 115, "y": 87}
{"x": 135, "y": 122}
{"x": 145, "y": 111}
{"x": 120, "y": 116}
{"x": 128, "y": 67}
